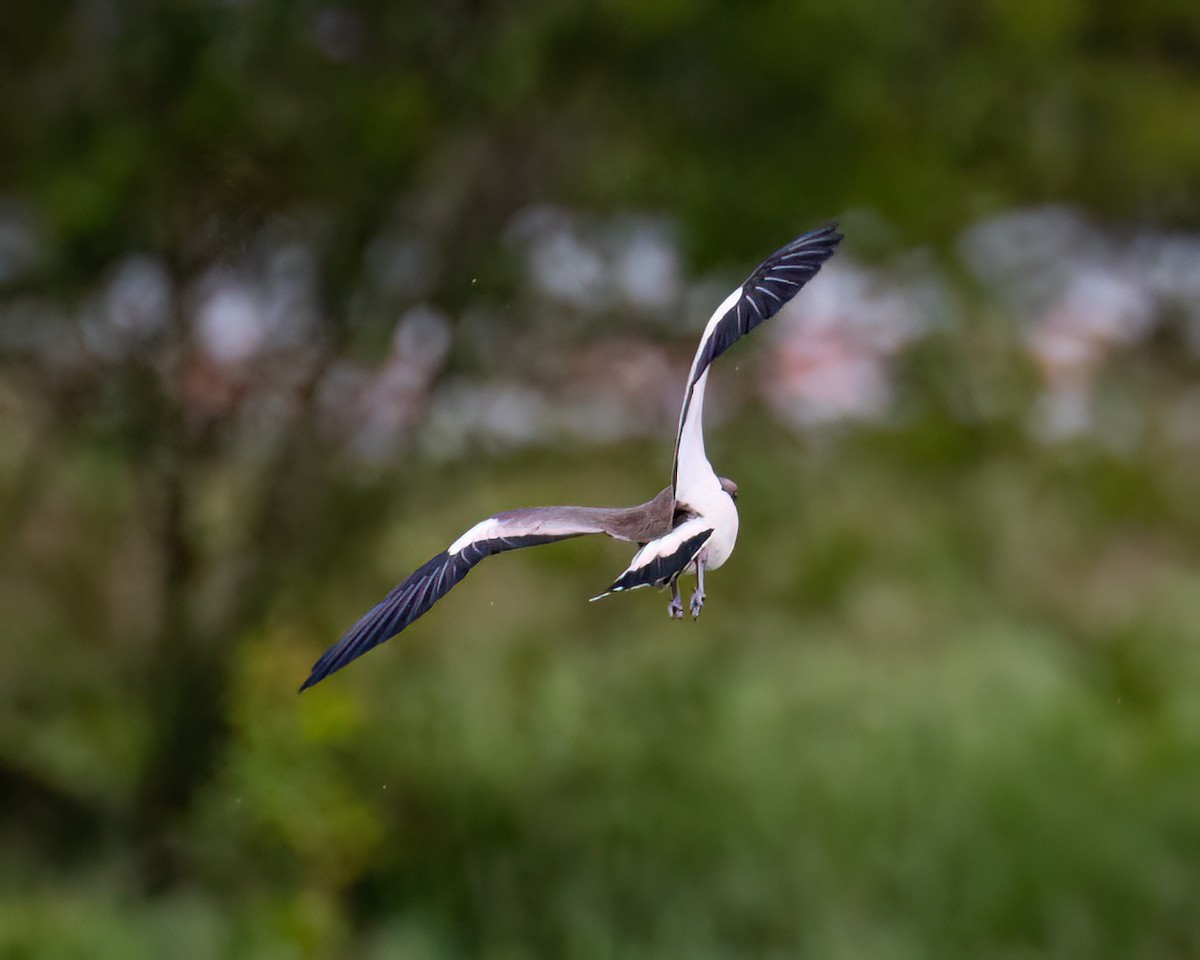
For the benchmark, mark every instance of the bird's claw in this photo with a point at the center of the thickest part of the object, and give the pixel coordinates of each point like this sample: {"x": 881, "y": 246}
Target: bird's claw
{"x": 675, "y": 608}
{"x": 697, "y": 603}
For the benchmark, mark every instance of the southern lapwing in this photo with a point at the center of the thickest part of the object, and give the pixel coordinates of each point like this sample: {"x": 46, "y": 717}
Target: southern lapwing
{"x": 690, "y": 527}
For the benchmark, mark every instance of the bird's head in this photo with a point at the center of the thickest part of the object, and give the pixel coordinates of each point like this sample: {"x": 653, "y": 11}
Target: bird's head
{"x": 729, "y": 487}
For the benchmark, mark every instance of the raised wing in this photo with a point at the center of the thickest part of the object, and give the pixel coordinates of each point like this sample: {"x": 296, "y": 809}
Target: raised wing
{"x": 661, "y": 561}
{"x": 419, "y": 591}
{"x": 776, "y": 280}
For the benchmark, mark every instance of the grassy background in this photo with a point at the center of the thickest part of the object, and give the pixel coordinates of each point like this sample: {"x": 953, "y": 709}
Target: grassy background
{"x": 940, "y": 703}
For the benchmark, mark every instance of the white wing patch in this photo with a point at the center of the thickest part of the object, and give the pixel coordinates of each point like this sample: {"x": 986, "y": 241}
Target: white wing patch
{"x": 667, "y": 544}
{"x": 532, "y": 522}
{"x": 488, "y": 529}
{"x": 661, "y": 561}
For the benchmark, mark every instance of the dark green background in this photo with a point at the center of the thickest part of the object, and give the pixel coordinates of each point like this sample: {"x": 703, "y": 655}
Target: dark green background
{"x": 944, "y": 701}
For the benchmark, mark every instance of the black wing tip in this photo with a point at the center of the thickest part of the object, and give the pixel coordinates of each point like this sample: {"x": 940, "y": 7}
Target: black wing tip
{"x": 312, "y": 680}
{"x": 615, "y": 587}
{"x": 826, "y": 237}
{"x": 366, "y": 633}
{"x": 333, "y": 659}
{"x": 327, "y": 664}
{"x": 829, "y": 228}
{"x": 831, "y": 233}
{"x": 343, "y": 653}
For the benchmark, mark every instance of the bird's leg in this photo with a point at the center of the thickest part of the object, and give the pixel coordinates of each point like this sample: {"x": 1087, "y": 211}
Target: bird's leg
{"x": 698, "y": 594}
{"x": 675, "y": 607}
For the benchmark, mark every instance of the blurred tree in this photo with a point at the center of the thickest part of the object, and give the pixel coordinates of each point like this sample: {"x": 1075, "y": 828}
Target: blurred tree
{"x": 158, "y": 514}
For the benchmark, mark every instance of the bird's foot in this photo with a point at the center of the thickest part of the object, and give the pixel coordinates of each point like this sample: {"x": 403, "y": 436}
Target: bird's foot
{"x": 675, "y": 608}
{"x": 698, "y": 597}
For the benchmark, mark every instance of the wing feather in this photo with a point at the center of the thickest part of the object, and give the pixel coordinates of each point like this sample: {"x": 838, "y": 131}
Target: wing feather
{"x": 764, "y": 293}
{"x": 661, "y": 561}
{"x": 416, "y": 594}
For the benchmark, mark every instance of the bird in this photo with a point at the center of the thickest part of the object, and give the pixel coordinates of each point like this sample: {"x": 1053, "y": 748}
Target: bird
{"x": 689, "y": 527}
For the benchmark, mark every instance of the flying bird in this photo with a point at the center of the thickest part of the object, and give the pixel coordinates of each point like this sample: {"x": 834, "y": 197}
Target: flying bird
{"x": 690, "y": 527}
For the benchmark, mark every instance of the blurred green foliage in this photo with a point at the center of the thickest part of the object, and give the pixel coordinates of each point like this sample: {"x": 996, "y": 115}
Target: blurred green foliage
{"x": 942, "y": 701}
{"x": 931, "y": 710}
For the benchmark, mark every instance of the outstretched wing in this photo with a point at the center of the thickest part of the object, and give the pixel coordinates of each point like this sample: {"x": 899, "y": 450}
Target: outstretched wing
{"x": 776, "y": 280}
{"x": 420, "y": 590}
{"x": 661, "y": 561}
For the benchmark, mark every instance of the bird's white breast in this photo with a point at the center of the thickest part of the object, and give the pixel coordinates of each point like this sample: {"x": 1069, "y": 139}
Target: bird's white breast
{"x": 725, "y": 531}
{"x": 709, "y": 501}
